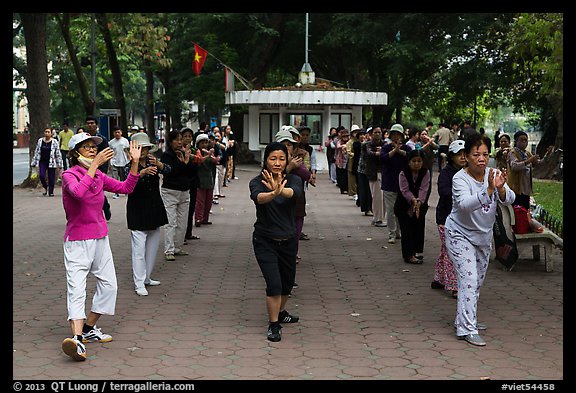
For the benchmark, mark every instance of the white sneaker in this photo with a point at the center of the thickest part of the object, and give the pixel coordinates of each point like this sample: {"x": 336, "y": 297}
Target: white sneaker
{"x": 96, "y": 335}
{"x": 392, "y": 240}
{"x": 74, "y": 348}
{"x": 235, "y": 177}
{"x": 142, "y": 292}
{"x": 152, "y": 283}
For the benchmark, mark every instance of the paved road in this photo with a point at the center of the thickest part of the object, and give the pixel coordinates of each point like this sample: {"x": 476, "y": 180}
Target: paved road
{"x": 365, "y": 315}
{"x": 20, "y": 165}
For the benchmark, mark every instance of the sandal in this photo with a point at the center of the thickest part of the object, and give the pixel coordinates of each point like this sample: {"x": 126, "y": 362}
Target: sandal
{"x": 413, "y": 260}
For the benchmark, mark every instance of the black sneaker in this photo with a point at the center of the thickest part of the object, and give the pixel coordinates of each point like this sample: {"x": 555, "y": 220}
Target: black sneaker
{"x": 274, "y": 332}
{"x": 285, "y": 317}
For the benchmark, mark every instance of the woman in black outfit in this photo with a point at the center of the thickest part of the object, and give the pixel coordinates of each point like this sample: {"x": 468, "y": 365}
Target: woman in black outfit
{"x": 274, "y": 193}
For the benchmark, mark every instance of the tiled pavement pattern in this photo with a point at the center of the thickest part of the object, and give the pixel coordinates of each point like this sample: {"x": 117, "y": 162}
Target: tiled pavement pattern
{"x": 364, "y": 313}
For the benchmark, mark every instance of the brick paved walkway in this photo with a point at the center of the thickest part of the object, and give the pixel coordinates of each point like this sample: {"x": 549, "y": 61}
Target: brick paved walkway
{"x": 365, "y": 315}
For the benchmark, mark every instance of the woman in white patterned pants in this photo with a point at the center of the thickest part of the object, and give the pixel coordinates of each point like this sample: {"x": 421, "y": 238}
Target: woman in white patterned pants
{"x": 476, "y": 191}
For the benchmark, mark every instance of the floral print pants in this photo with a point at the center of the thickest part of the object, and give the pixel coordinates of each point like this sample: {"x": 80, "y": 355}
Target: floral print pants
{"x": 444, "y": 272}
{"x": 470, "y": 263}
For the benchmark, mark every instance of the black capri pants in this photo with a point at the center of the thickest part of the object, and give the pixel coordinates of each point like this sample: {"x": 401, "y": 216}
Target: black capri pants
{"x": 277, "y": 261}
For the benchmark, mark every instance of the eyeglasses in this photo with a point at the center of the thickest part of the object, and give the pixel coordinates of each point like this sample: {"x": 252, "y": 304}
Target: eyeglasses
{"x": 90, "y": 147}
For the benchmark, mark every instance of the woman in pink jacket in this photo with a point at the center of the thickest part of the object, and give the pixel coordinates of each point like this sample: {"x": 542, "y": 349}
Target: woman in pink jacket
{"x": 86, "y": 246}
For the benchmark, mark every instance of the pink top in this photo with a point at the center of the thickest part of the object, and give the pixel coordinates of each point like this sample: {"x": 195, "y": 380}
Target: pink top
{"x": 83, "y": 198}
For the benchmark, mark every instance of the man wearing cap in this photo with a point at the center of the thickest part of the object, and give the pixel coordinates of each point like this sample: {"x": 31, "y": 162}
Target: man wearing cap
{"x": 121, "y": 146}
{"x": 521, "y": 162}
{"x": 393, "y": 158}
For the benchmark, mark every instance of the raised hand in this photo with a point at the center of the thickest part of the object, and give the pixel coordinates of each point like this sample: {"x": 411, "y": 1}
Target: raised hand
{"x": 274, "y": 183}
{"x": 103, "y": 156}
{"x": 135, "y": 150}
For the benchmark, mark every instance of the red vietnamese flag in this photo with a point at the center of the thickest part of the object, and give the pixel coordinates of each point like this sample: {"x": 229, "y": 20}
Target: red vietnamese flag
{"x": 199, "y": 59}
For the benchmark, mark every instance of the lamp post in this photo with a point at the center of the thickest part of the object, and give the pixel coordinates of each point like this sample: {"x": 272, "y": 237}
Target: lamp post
{"x": 93, "y": 48}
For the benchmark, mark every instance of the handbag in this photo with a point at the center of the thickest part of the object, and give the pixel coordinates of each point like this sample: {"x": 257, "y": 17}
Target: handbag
{"x": 522, "y": 220}
{"x": 505, "y": 248}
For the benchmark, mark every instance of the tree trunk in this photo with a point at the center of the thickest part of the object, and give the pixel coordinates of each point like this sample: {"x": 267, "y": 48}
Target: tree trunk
{"x": 149, "y": 101}
{"x": 266, "y": 50}
{"x": 87, "y": 100}
{"x": 114, "y": 69}
{"x": 37, "y": 90}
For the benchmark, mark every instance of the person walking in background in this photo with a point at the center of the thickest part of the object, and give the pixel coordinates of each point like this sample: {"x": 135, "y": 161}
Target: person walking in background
{"x": 476, "y": 191}
{"x": 86, "y": 244}
{"x": 393, "y": 160}
{"x": 412, "y": 205}
{"x": 444, "y": 273}
{"x": 92, "y": 129}
{"x": 64, "y": 137}
{"x": 444, "y": 138}
{"x": 521, "y": 162}
{"x": 121, "y": 146}
{"x": 175, "y": 191}
{"x": 274, "y": 193}
{"x": 145, "y": 214}
{"x": 48, "y": 158}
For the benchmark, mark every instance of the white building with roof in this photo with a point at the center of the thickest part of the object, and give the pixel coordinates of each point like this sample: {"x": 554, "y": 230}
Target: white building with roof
{"x": 318, "y": 106}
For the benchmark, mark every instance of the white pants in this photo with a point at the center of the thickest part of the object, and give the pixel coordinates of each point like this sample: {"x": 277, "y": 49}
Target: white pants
{"x": 377, "y": 199}
{"x": 216, "y": 190}
{"x": 470, "y": 263}
{"x": 391, "y": 220}
{"x": 219, "y": 180}
{"x": 333, "y": 173}
{"x": 176, "y": 204}
{"x": 144, "y": 249}
{"x": 89, "y": 256}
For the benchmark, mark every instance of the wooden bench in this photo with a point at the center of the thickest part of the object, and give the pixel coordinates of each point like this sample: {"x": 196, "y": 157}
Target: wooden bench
{"x": 547, "y": 239}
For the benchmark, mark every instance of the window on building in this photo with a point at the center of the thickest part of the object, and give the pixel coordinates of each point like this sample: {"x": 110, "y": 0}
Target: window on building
{"x": 268, "y": 127}
{"x": 312, "y": 121}
{"x": 341, "y": 119}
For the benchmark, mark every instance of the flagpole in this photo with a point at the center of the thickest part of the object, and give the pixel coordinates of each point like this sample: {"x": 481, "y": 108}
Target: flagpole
{"x": 246, "y": 84}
